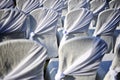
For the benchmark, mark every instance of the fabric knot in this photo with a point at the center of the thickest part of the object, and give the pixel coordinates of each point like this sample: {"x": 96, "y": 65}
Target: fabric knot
{"x": 59, "y": 76}
{"x": 113, "y": 74}
{"x": 65, "y": 32}
{"x": 32, "y": 34}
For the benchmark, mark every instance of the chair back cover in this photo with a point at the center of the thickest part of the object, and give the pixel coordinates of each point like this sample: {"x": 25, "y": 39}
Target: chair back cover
{"x": 114, "y": 4}
{"x": 21, "y": 60}
{"x": 6, "y": 4}
{"x": 27, "y": 5}
{"x": 77, "y": 22}
{"x": 13, "y": 22}
{"x": 106, "y": 25}
{"x": 77, "y": 4}
{"x": 43, "y": 29}
{"x": 80, "y": 56}
{"x": 115, "y": 66}
{"x": 96, "y": 6}
{"x": 56, "y": 5}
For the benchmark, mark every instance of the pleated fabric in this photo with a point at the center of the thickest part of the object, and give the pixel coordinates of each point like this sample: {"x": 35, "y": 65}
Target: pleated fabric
{"x": 14, "y": 22}
{"x": 115, "y": 66}
{"x": 80, "y": 57}
{"x": 106, "y": 25}
{"x": 6, "y": 4}
{"x": 43, "y": 29}
{"x": 77, "y": 4}
{"x": 22, "y": 60}
{"x": 56, "y": 5}
{"x": 77, "y": 23}
{"x": 27, "y": 5}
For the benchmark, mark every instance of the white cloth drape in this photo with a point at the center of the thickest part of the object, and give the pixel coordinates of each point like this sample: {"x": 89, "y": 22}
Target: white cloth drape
{"x": 27, "y": 5}
{"x": 109, "y": 25}
{"x": 77, "y": 24}
{"x": 77, "y": 4}
{"x": 12, "y": 20}
{"x": 87, "y": 63}
{"x": 56, "y": 5}
{"x": 97, "y": 6}
{"x": 45, "y": 29}
{"x": 6, "y": 4}
{"x": 114, "y": 4}
{"x": 31, "y": 66}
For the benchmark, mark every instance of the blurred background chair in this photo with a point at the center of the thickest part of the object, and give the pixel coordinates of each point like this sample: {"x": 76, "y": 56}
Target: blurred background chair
{"x": 43, "y": 26}
{"x": 106, "y": 25}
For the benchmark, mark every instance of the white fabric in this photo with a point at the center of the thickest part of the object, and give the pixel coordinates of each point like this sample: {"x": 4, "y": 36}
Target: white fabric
{"x": 77, "y": 4}
{"x": 12, "y": 20}
{"x": 44, "y": 29}
{"x": 114, "y": 4}
{"x": 107, "y": 21}
{"x": 85, "y": 64}
{"x": 6, "y": 4}
{"x": 27, "y": 5}
{"x": 32, "y": 64}
{"x": 113, "y": 74}
{"x": 77, "y": 21}
{"x": 97, "y": 6}
{"x": 56, "y": 5}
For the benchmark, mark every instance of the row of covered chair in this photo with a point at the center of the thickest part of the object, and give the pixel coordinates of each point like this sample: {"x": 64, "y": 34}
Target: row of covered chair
{"x": 38, "y": 23}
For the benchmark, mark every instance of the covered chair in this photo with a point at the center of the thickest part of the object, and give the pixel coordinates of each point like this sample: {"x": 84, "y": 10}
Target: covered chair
{"x": 27, "y": 5}
{"x": 97, "y": 6}
{"x": 115, "y": 66}
{"x": 106, "y": 25}
{"x": 77, "y": 4}
{"x": 13, "y": 24}
{"x": 22, "y": 60}
{"x": 77, "y": 23}
{"x": 43, "y": 24}
{"x": 6, "y": 4}
{"x": 56, "y": 5}
{"x": 114, "y": 4}
{"x": 79, "y": 58}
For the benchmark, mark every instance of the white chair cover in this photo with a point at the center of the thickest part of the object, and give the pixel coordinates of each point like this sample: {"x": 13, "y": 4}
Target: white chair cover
{"x": 27, "y": 5}
{"x": 106, "y": 26}
{"x": 114, "y": 4}
{"x": 44, "y": 24}
{"x": 75, "y": 58}
{"x": 77, "y": 22}
{"x": 96, "y": 6}
{"x": 77, "y": 4}
{"x": 56, "y": 5}
{"x": 107, "y": 21}
{"x": 12, "y": 21}
{"x": 6, "y": 4}
{"x": 115, "y": 66}
{"x": 22, "y": 60}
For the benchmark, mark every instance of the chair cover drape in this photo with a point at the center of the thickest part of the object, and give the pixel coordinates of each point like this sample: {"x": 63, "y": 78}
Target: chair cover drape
{"x": 115, "y": 66}
{"x": 81, "y": 63}
{"x": 12, "y": 21}
{"x": 44, "y": 29}
{"x": 25, "y": 59}
{"x": 27, "y": 5}
{"x": 56, "y": 5}
{"x": 77, "y": 4}
{"x": 97, "y": 6}
{"x": 114, "y": 4}
{"x": 6, "y": 4}
{"x": 107, "y": 21}
{"x": 78, "y": 23}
